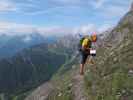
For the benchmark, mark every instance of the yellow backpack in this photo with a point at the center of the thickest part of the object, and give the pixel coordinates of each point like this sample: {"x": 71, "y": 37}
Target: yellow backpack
{"x": 86, "y": 43}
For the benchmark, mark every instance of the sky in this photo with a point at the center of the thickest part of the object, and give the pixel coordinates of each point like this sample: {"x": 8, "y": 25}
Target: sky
{"x": 50, "y": 17}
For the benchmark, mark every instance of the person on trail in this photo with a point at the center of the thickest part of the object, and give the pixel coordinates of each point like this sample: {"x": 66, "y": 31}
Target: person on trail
{"x": 85, "y": 47}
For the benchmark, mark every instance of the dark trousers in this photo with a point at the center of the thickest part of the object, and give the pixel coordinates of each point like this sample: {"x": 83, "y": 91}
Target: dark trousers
{"x": 84, "y": 56}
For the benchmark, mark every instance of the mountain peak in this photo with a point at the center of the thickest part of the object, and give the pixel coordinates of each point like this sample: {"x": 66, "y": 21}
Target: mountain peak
{"x": 131, "y": 9}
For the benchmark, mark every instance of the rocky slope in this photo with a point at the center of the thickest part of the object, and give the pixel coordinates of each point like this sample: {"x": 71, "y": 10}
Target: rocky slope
{"x": 112, "y": 76}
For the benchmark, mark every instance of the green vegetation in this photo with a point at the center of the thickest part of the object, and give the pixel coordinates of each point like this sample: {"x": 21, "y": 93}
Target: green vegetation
{"x": 27, "y": 70}
{"x": 63, "y": 87}
{"x": 110, "y": 78}
{"x": 63, "y": 79}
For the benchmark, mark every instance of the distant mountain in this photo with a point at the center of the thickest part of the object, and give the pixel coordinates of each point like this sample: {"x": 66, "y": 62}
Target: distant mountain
{"x": 34, "y": 65}
{"x": 29, "y": 68}
{"x": 9, "y": 45}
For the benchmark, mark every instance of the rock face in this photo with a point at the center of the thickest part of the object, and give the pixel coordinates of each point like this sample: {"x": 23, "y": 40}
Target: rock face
{"x": 131, "y": 9}
{"x": 113, "y": 77}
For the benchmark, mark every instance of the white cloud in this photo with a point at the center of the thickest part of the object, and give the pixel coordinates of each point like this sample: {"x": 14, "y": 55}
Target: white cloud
{"x": 25, "y": 7}
{"x": 27, "y": 39}
{"x": 10, "y": 28}
{"x": 86, "y": 29}
{"x": 114, "y": 11}
{"x": 6, "y": 6}
{"x": 105, "y": 27}
{"x": 90, "y": 28}
{"x": 55, "y": 30}
{"x": 41, "y": 11}
{"x": 97, "y": 3}
{"x": 68, "y": 2}
{"x": 58, "y": 30}
{"x": 81, "y": 3}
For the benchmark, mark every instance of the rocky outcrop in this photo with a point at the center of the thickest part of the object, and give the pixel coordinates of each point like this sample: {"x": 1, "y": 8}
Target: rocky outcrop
{"x": 131, "y": 9}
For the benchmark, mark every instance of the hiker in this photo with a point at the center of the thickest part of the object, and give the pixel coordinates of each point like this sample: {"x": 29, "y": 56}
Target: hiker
{"x": 85, "y": 46}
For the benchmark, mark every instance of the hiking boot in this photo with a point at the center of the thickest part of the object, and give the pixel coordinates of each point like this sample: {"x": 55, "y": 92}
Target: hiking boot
{"x": 81, "y": 73}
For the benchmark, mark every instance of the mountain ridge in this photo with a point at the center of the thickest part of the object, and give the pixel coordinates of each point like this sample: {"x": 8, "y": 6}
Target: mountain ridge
{"x": 110, "y": 78}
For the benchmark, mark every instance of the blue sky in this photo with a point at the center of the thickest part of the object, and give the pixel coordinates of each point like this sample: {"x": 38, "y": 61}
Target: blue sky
{"x": 60, "y": 16}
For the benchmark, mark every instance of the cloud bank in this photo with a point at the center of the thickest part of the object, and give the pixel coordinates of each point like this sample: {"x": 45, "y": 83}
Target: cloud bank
{"x": 93, "y": 15}
{"x": 10, "y": 28}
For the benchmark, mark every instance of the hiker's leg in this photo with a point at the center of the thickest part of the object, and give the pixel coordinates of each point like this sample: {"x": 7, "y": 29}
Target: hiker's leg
{"x": 81, "y": 69}
{"x": 83, "y": 61}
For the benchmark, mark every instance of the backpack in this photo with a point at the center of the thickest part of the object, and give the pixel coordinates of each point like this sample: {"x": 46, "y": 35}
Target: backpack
{"x": 85, "y": 43}
{"x": 80, "y": 44}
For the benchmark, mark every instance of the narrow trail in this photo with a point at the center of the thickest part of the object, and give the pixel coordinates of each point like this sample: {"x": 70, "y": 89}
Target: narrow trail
{"x": 78, "y": 87}
{"x": 42, "y": 92}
